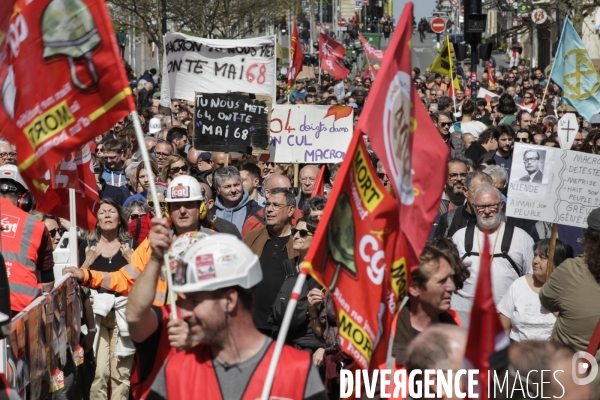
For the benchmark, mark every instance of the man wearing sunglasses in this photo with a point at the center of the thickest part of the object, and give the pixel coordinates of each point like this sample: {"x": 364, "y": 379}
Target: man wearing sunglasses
{"x": 443, "y": 121}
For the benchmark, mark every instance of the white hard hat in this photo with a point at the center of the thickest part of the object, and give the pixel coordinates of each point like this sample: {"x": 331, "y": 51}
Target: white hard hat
{"x": 9, "y": 171}
{"x": 178, "y": 248}
{"x": 184, "y": 188}
{"x": 218, "y": 261}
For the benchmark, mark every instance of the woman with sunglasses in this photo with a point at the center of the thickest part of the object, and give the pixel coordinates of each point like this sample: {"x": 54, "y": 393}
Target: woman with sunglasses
{"x": 53, "y": 225}
{"x": 300, "y": 334}
{"x": 174, "y": 166}
{"x": 107, "y": 249}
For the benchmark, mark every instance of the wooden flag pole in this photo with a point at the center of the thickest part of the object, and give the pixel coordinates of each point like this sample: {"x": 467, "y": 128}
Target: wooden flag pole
{"x": 73, "y": 229}
{"x": 296, "y": 169}
{"x": 139, "y": 133}
{"x": 550, "y": 264}
{"x": 543, "y": 98}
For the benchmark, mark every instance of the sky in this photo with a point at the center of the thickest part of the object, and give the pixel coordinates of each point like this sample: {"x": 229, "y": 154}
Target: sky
{"x": 423, "y": 8}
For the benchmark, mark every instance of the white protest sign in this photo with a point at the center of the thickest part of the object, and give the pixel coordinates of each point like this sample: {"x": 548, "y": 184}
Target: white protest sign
{"x": 567, "y": 129}
{"x": 339, "y": 91}
{"x": 553, "y": 185}
{"x": 215, "y": 65}
{"x": 310, "y": 134}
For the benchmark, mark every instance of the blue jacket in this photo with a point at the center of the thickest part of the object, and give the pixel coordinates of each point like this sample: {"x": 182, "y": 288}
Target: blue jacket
{"x": 238, "y": 214}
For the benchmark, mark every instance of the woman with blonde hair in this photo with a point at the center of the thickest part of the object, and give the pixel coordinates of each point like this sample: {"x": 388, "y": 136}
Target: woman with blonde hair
{"x": 174, "y": 166}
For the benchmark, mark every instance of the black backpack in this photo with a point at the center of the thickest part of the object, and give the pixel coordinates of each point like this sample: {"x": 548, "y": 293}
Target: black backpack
{"x": 504, "y": 248}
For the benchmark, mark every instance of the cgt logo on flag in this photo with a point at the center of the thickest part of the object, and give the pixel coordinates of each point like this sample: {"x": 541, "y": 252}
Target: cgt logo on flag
{"x": 180, "y": 192}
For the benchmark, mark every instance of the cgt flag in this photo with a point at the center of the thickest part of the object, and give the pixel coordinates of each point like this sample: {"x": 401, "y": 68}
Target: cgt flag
{"x": 354, "y": 257}
{"x": 405, "y": 139}
{"x": 331, "y": 64}
{"x": 329, "y": 47}
{"x": 74, "y": 172}
{"x": 370, "y": 50}
{"x": 575, "y": 73}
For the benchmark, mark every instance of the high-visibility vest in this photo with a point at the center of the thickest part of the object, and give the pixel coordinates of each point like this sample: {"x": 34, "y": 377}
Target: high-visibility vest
{"x": 21, "y": 238}
{"x": 201, "y": 380}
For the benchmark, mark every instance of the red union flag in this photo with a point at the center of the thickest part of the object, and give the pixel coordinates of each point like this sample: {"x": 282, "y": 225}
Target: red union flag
{"x": 61, "y": 77}
{"x": 75, "y": 172}
{"x": 332, "y": 65}
{"x": 329, "y": 47}
{"x": 355, "y": 257}
{"x": 370, "y": 50}
{"x": 296, "y": 57}
{"x": 405, "y": 139}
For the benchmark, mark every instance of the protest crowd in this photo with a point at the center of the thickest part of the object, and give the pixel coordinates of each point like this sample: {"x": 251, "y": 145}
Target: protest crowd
{"x": 237, "y": 228}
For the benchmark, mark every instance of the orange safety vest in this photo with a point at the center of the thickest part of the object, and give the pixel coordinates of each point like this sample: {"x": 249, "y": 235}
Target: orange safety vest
{"x": 201, "y": 380}
{"x": 21, "y": 238}
{"x": 122, "y": 280}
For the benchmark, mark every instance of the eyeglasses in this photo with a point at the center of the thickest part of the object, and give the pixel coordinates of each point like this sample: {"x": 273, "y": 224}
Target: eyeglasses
{"x": 53, "y": 232}
{"x": 381, "y": 175}
{"x": 527, "y": 97}
{"x": 174, "y": 170}
{"x": 161, "y": 204}
{"x": 303, "y": 232}
{"x": 530, "y": 160}
{"x": 445, "y": 123}
{"x": 276, "y": 206}
{"x": 492, "y": 207}
{"x": 455, "y": 175}
{"x": 110, "y": 158}
{"x": 519, "y": 139}
{"x": 10, "y": 154}
{"x": 135, "y": 216}
{"x": 558, "y": 112}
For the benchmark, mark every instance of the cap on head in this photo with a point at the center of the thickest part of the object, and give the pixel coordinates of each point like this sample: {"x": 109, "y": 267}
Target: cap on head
{"x": 595, "y": 119}
{"x": 184, "y": 188}
{"x": 205, "y": 156}
{"x": 11, "y": 172}
{"x": 218, "y": 261}
{"x": 154, "y": 125}
{"x": 593, "y": 219}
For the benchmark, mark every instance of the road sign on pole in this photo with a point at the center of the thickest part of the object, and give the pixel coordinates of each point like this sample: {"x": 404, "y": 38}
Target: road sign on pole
{"x": 438, "y": 25}
{"x": 342, "y": 22}
{"x": 462, "y": 10}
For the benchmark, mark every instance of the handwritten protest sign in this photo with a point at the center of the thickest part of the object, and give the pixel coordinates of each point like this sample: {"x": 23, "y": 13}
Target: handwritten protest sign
{"x": 310, "y": 134}
{"x": 214, "y": 65}
{"x": 231, "y": 122}
{"x": 553, "y": 185}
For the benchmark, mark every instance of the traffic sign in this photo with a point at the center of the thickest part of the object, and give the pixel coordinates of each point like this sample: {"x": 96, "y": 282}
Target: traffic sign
{"x": 438, "y": 25}
{"x": 462, "y": 10}
{"x": 358, "y": 3}
{"x": 365, "y": 2}
{"x": 454, "y": 3}
{"x": 342, "y": 22}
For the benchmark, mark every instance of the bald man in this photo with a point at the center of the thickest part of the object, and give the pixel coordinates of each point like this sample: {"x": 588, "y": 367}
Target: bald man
{"x": 257, "y": 221}
{"x": 192, "y": 157}
{"x": 308, "y": 177}
{"x": 219, "y": 158}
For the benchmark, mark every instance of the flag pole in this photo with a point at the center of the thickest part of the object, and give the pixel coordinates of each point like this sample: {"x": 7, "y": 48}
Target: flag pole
{"x": 544, "y": 96}
{"x": 451, "y": 75}
{"x": 285, "y": 325}
{"x": 139, "y": 133}
{"x": 72, "y": 229}
{"x": 551, "y": 251}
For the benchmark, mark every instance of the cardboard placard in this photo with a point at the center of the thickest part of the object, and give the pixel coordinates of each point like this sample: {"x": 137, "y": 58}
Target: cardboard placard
{"x": 232, "y": 122}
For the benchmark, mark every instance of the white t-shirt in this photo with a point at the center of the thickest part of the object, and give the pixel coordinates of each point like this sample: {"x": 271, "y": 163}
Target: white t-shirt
{"x": 475, "y": 128}
{"x": 503, "y": 274}
{"x": 529, "y": 320}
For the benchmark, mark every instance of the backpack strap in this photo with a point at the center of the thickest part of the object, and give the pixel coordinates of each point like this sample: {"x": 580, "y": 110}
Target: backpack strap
{"x": 289, "y": 267}
{"x": 449, "y": 218}
{"x": 469, "y": 234}
{"x": 509, "y": 230}
{"x": 260, "y": 219}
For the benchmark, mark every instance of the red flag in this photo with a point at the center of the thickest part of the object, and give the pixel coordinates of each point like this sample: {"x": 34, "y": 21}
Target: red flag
{"x": 354, "y": 257}
{"x": 62, "y": 80}
{"x": 405, "y": 139}
{"x": 319, "y": 186}
{"x": 486, "y": 333}
{"x": 370, "y": 50}
{"x": 332, "y": 65}
{"x": 329, "y": 47}
{"x": 491, "y": 79}
{"x": 296, "y": 57}
{"x": 75, "y": 172}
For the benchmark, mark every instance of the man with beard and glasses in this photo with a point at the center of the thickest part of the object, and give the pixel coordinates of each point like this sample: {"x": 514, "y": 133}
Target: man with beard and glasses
{"x": 511, "y": 248}
{"x": 453, "y": 195}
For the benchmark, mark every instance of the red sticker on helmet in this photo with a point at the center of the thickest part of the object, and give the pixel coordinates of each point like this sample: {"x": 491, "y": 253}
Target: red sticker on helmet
{"x": 205, "y": 267}
{"x": 180, "y": 192}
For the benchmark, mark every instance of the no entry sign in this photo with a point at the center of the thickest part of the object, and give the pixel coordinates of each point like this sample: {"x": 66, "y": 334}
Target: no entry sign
{"x": 438, "y": 25}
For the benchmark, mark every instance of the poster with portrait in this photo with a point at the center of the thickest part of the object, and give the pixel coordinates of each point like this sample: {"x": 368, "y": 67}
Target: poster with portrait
{"x": 531, "y": 171}
{"x": 17, "y": 360}
{"x": 37, "y": 351}
{"x": 60, "y": 326}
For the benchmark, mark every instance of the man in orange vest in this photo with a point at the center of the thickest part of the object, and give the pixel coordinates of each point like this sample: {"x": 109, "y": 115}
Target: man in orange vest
{"x": 187, "y": 211}
{"x": 214, "y": 279}
{"x": 26, "y": 243}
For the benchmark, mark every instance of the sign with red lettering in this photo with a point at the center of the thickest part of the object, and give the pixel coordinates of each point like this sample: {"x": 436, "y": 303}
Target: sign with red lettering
{"x": 216, "y": 65}
{"x": 310, "y": 134}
